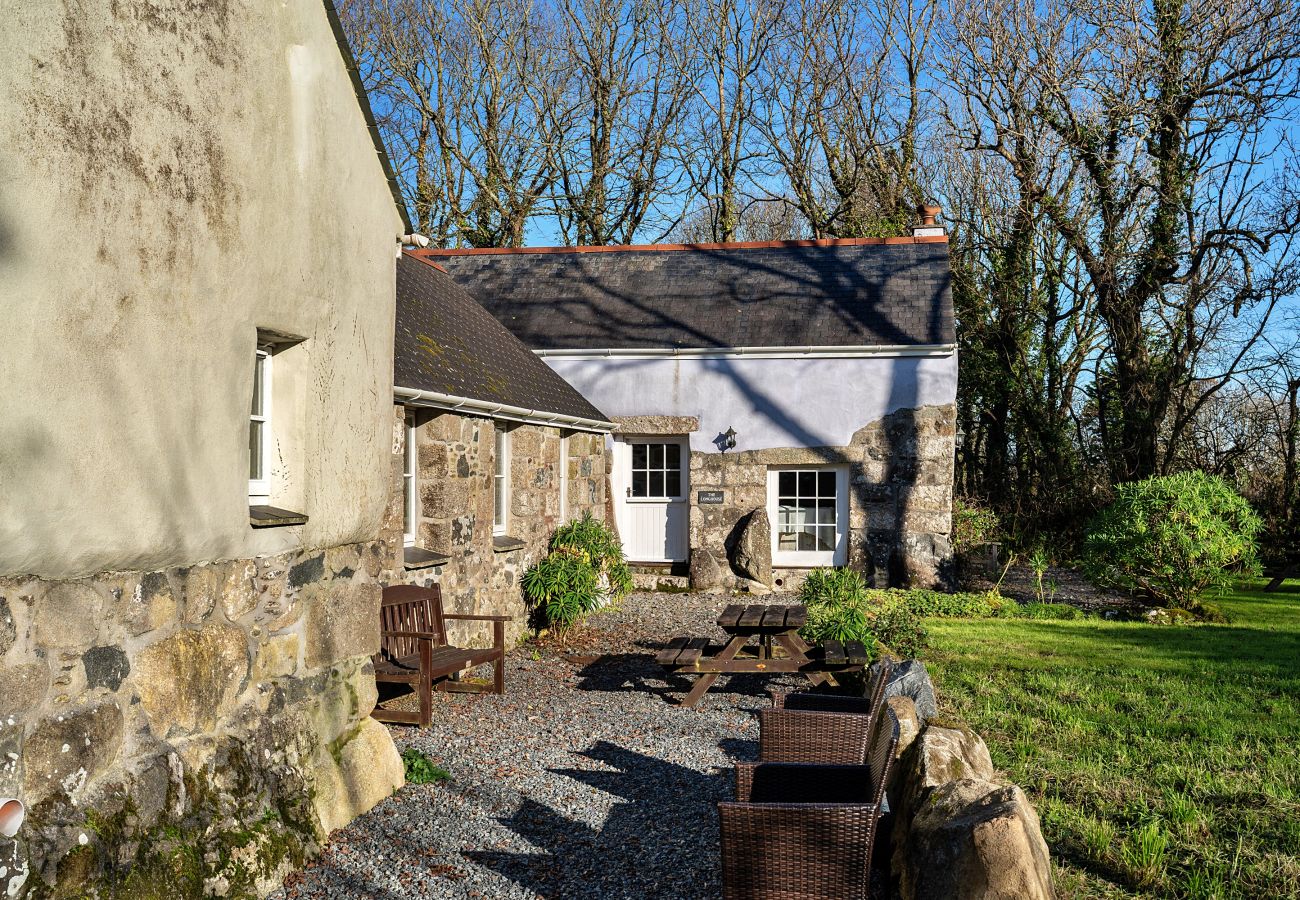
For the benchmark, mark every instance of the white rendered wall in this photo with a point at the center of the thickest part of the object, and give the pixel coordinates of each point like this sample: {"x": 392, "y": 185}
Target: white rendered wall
{"x": 795, "y": 402}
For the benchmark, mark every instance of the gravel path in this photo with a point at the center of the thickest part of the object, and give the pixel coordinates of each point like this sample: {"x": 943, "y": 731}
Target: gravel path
{"x": 582, "y": 781}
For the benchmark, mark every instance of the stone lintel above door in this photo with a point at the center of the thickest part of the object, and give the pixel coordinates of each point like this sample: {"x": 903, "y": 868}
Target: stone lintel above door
{"x": 674, "y": 425}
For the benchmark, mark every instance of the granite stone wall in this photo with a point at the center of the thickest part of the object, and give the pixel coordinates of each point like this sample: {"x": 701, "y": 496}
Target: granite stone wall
{"x": 455, "y": 463}
{"x": 900, "y": 476}
{"x": 201, "y": 727}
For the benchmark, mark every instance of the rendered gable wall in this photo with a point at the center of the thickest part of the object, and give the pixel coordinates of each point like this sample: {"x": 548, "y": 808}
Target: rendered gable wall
{"x": 184, "y": 698}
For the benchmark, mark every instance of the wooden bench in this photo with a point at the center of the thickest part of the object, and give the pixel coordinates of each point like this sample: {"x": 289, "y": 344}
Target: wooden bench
{"x": 413, "y": 650}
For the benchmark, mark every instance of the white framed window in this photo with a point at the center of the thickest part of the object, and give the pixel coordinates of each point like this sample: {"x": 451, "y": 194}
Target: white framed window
{"x": 564, "y": 478}
{"x": 409, "y": 507}
{"x": 500, "y": 480}
{"x": 656, "y": 470}
{"x": 259, "y": 430}
{"x": 809, "y": 510}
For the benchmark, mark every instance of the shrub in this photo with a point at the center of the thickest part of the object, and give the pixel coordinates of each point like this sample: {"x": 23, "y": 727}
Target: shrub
{"x": 900, "y": 629}
{"x": 936, "y": 604}
{"x": 1172, "y": 538}
{"x": 563, "y": 587}
{"x": 600, "y": 546}
{"x": 841, "y": 607}
{"x": 584, "y": 569}
{"x": 972, "y": 524}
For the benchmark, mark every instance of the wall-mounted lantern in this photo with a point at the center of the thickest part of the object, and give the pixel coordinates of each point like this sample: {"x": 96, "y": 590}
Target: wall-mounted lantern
{"x": 730, "y": 442}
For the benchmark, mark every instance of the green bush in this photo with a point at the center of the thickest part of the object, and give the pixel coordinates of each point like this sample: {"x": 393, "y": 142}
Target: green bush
{"x": 841, "y": 607}
{"x": 972, "y": 524}
{"x": 600, "y": 546}
{"x": 563, "y": 587}
{"x": 1173, "y": 538}
{"x": 897, "y": 627}
{"x": 584, "y": 568}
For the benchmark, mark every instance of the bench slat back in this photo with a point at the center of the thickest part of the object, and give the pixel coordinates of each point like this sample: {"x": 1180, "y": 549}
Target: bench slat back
{"x": 407, "y": 607}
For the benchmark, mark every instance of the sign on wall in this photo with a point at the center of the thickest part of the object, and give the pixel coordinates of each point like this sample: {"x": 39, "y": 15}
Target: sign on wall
{"x": 709, "y": 497}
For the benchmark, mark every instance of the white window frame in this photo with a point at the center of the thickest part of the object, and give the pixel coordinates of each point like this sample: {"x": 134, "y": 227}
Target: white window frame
{"x": 500, "y": 479}
{"x": 564, "y": 478}
{"x": 259, "y": 489}
{"x": 410, "y": 518}
{"x": 683, "y": 464}
{"x": 807, "y": 558}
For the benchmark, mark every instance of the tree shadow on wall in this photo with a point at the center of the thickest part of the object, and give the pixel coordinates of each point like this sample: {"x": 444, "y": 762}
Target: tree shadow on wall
{"x": 661, "y": 840}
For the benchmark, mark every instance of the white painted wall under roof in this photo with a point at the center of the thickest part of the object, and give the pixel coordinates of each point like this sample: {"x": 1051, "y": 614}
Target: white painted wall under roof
{"x": 172, "y": 179}
{"x": 801, "y": 401}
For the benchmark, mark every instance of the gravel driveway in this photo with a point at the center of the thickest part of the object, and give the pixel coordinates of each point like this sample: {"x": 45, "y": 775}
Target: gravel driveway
{"x": 582, "y": 781}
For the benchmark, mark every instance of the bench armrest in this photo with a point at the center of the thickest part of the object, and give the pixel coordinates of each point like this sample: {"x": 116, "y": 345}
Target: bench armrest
{"x": 469, "y": 618}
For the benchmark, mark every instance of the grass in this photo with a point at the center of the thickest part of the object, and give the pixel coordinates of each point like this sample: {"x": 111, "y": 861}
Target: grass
{"x": 1164, "y": 761}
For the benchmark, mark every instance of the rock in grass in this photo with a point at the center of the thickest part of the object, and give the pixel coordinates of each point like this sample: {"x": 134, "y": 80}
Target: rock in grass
{"x": 973, "y": 840}
{"x": 910, "y": 679}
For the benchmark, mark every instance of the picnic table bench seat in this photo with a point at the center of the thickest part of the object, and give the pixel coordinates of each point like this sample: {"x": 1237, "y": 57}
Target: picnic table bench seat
{"x": 413, "y": 650}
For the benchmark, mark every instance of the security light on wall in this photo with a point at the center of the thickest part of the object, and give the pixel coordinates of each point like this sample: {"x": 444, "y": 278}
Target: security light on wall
{"x": 730, "y": 442}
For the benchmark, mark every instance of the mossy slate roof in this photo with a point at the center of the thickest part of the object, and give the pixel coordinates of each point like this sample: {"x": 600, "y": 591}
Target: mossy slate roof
{"x": 449, "y": 344}
{"x": 797, "y": 294}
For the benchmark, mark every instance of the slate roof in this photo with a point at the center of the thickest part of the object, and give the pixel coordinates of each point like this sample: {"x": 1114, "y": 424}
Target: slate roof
{"x": 779, "y": 294}
{"x": 447, "y": 343}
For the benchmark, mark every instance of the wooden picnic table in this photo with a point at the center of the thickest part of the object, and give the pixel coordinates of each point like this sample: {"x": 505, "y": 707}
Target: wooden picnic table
{"x": 779, "y": 649}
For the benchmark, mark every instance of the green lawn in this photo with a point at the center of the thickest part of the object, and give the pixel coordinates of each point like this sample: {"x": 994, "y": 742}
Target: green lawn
{"x": 1164, "y": 761}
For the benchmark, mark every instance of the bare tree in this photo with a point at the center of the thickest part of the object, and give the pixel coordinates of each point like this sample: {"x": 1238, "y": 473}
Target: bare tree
{"x": 463, "y": 93}
{"x": 619, "y": 120}
{"x": 726, "y": 44}
{"x": 842, "y": 110}
{"x": 1169, "y": 115}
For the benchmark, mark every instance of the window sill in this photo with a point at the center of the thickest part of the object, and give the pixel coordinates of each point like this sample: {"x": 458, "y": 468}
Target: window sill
{"x": 274, "y": 517}
{"x": 419, "y": 558}
{"x": 503, "y": 543}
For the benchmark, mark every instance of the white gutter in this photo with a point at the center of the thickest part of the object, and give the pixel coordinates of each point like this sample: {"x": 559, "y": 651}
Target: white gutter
{"x": 466, "y": 405}
{"x": 845, "y": 352}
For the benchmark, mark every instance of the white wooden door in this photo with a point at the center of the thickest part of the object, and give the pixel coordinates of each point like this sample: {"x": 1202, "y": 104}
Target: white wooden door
{"x": 652, "y": 487}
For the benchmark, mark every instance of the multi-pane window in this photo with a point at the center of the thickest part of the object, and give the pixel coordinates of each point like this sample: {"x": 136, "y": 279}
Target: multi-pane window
{"x": 501, "y": 481}
{"x": 657, "y": 470}
{"x": 408, "y": 483}
{"x": 259, "y": 429}
{"x": 809, "y": 506}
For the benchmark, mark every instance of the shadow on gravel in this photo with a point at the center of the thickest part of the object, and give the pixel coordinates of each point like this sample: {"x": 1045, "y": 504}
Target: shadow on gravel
{"x": 661, "y": 842}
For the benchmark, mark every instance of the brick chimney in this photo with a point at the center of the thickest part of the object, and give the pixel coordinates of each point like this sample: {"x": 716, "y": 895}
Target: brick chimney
{"x": 929, "y": 226}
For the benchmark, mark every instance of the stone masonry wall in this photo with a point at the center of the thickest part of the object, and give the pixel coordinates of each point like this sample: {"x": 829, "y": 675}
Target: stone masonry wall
{"x": 900, "y": 496}
{"x": 455, "y": 463}
{"x": 200, "y": 728}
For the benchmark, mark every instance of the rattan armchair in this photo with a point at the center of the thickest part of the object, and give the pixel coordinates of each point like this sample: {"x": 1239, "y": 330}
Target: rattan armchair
{"x": 796, "y": 736}
{"x": 815, "y": 702}
{"x": 805, "y": 830}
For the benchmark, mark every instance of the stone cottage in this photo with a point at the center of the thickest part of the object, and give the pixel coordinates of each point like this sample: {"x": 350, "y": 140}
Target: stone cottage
{"x": 491, "y": 450}
{"x": 197, "y": 247}
{"x": 780, "y": 405}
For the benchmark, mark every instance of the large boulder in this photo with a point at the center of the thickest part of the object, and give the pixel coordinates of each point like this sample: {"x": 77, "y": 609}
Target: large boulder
{"x": 361, "y": 768}
{"x": 706, "y": 574}
{"x": 949, "y": 754}
{"x": 751, "y": 556}
{"x": 973, "y": 840}
{"x": 910, "y": 679}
